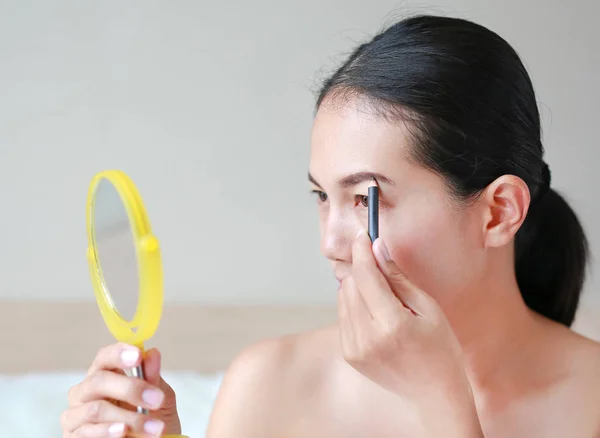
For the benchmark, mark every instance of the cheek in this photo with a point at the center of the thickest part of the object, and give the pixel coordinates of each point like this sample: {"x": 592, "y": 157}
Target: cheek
{"x": 431, "y": 246}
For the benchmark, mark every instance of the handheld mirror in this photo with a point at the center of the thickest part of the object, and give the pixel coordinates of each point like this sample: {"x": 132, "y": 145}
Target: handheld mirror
{"x": 125, "y": 262}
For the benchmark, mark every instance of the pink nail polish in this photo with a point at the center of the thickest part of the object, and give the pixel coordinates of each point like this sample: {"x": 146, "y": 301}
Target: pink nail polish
{"x": 129, "y": 357}
{"x": 154, "y": 427}
{"x": 153, "y": 397}
{"x": 116, "y": 429}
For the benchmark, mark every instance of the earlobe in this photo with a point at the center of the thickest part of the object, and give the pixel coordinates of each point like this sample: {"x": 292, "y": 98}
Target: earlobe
{"x": 505, "y": 204}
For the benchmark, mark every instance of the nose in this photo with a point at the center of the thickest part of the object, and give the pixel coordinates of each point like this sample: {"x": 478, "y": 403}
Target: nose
{"x": 337, "y": 234}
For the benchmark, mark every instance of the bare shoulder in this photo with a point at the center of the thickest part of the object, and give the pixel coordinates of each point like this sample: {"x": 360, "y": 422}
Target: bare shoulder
{"x": 580, "y": 359}
{"x": 586, "y": 365}
{"x": 286, "y": 357}
{"x": 584, "y": 383}
{"x": 264, "y": 384}
{"x": 583, "y": 352}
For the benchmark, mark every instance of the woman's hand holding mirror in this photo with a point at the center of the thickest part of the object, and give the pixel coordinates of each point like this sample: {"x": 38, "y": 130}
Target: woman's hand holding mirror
{"x": 104, "y": 403}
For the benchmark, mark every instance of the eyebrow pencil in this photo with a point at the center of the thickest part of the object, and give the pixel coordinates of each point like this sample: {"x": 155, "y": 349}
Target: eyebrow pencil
{"x": 373, "y": 198}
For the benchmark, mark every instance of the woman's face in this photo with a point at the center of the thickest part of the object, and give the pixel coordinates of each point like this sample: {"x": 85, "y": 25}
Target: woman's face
{"x": 432, "y": 239}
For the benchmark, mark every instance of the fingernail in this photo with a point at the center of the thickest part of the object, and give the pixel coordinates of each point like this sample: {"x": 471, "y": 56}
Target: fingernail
{"x": 153, "y": 397}
{"x": 383, "y": 250}
{"x": 129, "y": 357}
{"x": 360, "y": 233}
{"x": 153, "y": 427}
{"x": 116, "y": 429}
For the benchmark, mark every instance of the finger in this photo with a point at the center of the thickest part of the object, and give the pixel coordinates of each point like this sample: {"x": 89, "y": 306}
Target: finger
{"x": 152, "y": 368}
{"x": 152, "y": 365}
{"x": 360, "y": 318}
{"x": 356, "y": 305}
{"x": 116, "y": 430}
{"x": 346, "y": 330}
{"x": 116, "y": 356}
{"x": 413, "y": 298}
{"x": 101, "y": 412}
{"x": 371, "y": 283}
{"x": 107, "y": 384}
{"x": 104, "y": 430}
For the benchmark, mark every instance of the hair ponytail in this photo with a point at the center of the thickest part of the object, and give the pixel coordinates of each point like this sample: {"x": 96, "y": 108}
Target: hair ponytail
{"x": 551, "y": 252}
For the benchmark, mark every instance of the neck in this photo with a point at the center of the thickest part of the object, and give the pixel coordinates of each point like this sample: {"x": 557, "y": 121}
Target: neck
{"x": 495, "y": 327}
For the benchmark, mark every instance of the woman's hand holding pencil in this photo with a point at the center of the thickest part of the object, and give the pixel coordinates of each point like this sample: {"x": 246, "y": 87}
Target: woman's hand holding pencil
{"x": 397, "y": 336}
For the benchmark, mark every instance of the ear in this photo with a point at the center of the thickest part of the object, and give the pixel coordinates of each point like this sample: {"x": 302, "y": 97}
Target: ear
{"x": 505, "y": 204}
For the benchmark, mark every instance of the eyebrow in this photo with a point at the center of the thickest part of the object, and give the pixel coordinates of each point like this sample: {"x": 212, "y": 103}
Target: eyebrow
{"x": 356, "y": 178}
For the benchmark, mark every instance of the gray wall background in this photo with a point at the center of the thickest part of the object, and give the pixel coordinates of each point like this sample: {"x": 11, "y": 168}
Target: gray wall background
{"x": 208, "y": 107}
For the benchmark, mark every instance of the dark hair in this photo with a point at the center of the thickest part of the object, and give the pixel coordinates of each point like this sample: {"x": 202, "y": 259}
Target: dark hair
{"x": 472, "y": 110}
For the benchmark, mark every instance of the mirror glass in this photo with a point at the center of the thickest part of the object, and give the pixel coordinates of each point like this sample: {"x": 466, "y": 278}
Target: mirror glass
{"x": 115, "y": 249}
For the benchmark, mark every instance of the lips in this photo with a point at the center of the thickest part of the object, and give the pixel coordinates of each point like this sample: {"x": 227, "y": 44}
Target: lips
{"x": 340, "y": 279}
{"x": 341, "y": 273}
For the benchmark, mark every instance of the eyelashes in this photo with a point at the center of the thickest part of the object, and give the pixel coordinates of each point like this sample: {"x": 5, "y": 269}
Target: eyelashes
{"x": 321, "y": 196}
{"x": 359, "y": 200}
{"x": 362, "y": 200}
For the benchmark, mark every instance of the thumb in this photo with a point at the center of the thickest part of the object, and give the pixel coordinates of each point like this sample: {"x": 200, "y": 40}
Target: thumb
{"x": 152, "y": 368}
{"x": 419, "y": 302}
{"x": 152, "y": 362}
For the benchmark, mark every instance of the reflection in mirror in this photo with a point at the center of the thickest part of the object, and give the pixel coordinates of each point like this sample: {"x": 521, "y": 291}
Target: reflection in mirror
{"x": 115, "y": 249}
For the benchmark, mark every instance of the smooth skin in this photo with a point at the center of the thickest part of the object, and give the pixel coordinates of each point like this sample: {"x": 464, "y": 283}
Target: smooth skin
{"x": 433, "y": 337}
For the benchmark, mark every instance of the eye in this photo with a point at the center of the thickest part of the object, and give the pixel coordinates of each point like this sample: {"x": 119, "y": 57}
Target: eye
{"x": 362, "y": 199}
{"x": 321, "y": 195}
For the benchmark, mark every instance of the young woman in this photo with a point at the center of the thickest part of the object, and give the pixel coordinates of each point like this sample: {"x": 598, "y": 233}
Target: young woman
{"x": 455, "y": 323}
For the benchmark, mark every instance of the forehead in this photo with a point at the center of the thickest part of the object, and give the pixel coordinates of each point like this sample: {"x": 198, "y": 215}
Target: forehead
{"x": 349, "y": 138}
